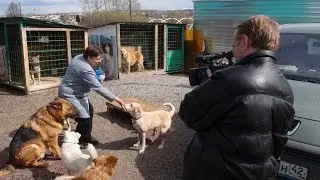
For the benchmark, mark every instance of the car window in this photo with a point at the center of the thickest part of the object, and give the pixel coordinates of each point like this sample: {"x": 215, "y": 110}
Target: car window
{"x": 298, "y": 56}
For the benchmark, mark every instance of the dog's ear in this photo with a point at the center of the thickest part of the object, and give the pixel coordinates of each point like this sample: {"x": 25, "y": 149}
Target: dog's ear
{"x": 111, "y": 162}
{"x": 56, "y": 105}
{"x": 98, "y": 160}
{"x": 56, "y": 98}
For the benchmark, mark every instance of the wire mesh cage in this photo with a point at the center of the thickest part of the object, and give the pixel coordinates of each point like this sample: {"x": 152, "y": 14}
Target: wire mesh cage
{"x": 136, "y": 39}
{"x": 77, "y": 42}
{"x": 14, "y": 55}
{"x": 2, "y": 34}
{"x": 175, "y": 48}
{"x": 51, "y": 48}
{"x": 174, "y": 38}
{"x": 33, "y": 49}
{"x": 161, "y": 52}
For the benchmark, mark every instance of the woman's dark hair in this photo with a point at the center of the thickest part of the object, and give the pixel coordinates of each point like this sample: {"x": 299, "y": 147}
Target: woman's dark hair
{"x": 92, "y": 51}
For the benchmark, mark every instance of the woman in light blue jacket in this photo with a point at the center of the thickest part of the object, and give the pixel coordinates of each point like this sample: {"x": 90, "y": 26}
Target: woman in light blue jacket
{"x": 75, "y": 86}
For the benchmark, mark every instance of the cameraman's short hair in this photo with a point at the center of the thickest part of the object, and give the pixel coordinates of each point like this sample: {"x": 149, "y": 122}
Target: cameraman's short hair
{"x": 262, "y": 31}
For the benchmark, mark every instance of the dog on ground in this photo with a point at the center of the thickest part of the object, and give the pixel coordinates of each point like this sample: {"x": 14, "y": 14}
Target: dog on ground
{"x": 40, "y": 131}
{"x": 102, "y": 168}
{"x": 71, "y": 155}
{"x": 144, "y": 121}
{"x": 133, "y": 58}
{"x": 34, "y": 68}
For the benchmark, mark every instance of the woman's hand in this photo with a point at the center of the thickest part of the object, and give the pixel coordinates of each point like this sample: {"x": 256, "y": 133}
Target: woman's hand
{"x": 121, "y": 103}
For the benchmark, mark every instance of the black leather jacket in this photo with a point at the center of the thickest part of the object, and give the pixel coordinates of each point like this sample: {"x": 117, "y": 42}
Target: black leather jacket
{"x": 241, "y": 115}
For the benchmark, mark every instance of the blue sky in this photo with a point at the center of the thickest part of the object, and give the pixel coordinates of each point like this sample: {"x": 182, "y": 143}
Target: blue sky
{"x": 51, "y": 6}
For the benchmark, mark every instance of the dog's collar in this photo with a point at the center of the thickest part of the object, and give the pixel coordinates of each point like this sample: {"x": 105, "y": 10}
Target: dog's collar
{"x": 134, "y": 120}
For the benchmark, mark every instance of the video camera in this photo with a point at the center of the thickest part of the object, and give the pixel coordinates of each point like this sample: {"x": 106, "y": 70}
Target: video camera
{"x": 212, "y": 62}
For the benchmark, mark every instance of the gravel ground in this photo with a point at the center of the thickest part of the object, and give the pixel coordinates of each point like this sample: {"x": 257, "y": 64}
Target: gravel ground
{"x": 114, "y": 133}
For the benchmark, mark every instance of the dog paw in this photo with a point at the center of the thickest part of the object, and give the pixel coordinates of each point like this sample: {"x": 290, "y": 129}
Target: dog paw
{"x": 46, "y": 164}
{"x": 160, "y": 146}
{"x": 57, "y": 156}
{"x": 141, "y": 151}
{"x": 42, "y": 164}
{"x": 136, "y": 145}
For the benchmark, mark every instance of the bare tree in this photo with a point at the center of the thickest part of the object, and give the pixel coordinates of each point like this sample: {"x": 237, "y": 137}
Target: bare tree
{"x": 135, "y": 5}
{"x": 14, "y": 10}
{"x": 109, "y": 5}
{"x": 97, "y": 4}
{"x": 124, "y": 5}
{"x": 85, "y": 5}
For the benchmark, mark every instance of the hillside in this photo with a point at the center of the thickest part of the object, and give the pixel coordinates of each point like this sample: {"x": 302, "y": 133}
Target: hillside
{"x": 70, "y": 18}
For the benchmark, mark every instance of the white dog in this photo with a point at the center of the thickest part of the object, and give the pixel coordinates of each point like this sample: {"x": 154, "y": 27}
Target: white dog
{"x": 72, "y": 156}
{"x": 143, "y": 122}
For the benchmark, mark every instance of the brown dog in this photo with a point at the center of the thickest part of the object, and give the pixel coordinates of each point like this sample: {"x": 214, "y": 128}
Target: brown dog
{"x": 103, "y": 167}
{"x": 39, "y": 132}
{"x": 133, "y": 58}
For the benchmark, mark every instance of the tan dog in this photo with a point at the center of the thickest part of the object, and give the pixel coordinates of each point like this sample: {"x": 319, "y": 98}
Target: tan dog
{"x": 133, "y": 58}
{"x": 39, "y": 132}
{"x": 102, "y": 168}
{"x": 143, "y": 122}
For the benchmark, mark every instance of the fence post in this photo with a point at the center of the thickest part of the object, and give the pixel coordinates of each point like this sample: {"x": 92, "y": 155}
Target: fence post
{"x": 118, "y": 48}
{"x": 156, "y": 48}
{"x": 25, "y": 60}
{"x": 165, "y": 41}
{"x": 68, "y": 47}
{"x": 86, "y": 39}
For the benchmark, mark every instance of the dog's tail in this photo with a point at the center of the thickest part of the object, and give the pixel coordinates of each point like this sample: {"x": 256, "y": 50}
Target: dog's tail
{"x": 92, "y": 151}
{"x": 173, "y": 109}
{"x": 6, "y": 169}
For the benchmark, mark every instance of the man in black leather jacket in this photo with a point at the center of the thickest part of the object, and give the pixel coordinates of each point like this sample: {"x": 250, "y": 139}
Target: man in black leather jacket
{"x": 241, "y": 115}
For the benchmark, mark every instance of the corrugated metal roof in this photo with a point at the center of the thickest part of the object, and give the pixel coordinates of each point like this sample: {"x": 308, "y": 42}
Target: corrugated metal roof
{"x": 39, "y": 21}
{"x": 137, "y": 23}
{"x": 218, "y": 18}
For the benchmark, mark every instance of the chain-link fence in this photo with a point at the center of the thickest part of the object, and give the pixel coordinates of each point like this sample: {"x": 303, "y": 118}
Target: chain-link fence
{"x": 161, "y": 52}
{"x": 77, "y": 42}
{"x": 137, "y": 41}
{"x": 51, "y": 46}
{"x": 44, "y": 51}
{"x": 14, "y": 55}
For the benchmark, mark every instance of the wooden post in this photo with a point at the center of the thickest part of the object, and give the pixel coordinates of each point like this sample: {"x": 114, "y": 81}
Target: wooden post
{"x": 86, "y": 40}
{"x": 156, "y": 48}
{"x": 69, "y": 56}
{"x": 25, "y": 59}
{"x": 165, "y": 30}
{"x": 118, "y": 48}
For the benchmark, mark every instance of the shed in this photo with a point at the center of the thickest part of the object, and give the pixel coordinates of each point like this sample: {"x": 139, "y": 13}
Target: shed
{"x": 161, "y": 45}
{"x": 218, "y": 18}
{"x": 24, "y": 40}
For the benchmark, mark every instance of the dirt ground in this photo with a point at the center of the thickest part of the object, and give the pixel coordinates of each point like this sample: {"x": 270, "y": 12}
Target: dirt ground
{"x": 114, "y": 133}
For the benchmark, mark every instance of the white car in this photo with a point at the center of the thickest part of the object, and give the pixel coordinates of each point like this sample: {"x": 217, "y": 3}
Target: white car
{"x": 299, "y": 59}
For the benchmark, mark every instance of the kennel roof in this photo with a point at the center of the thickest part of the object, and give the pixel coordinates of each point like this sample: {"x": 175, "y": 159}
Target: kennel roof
{"x": 39, "y": 22}
{"x": 136, "y": 23}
